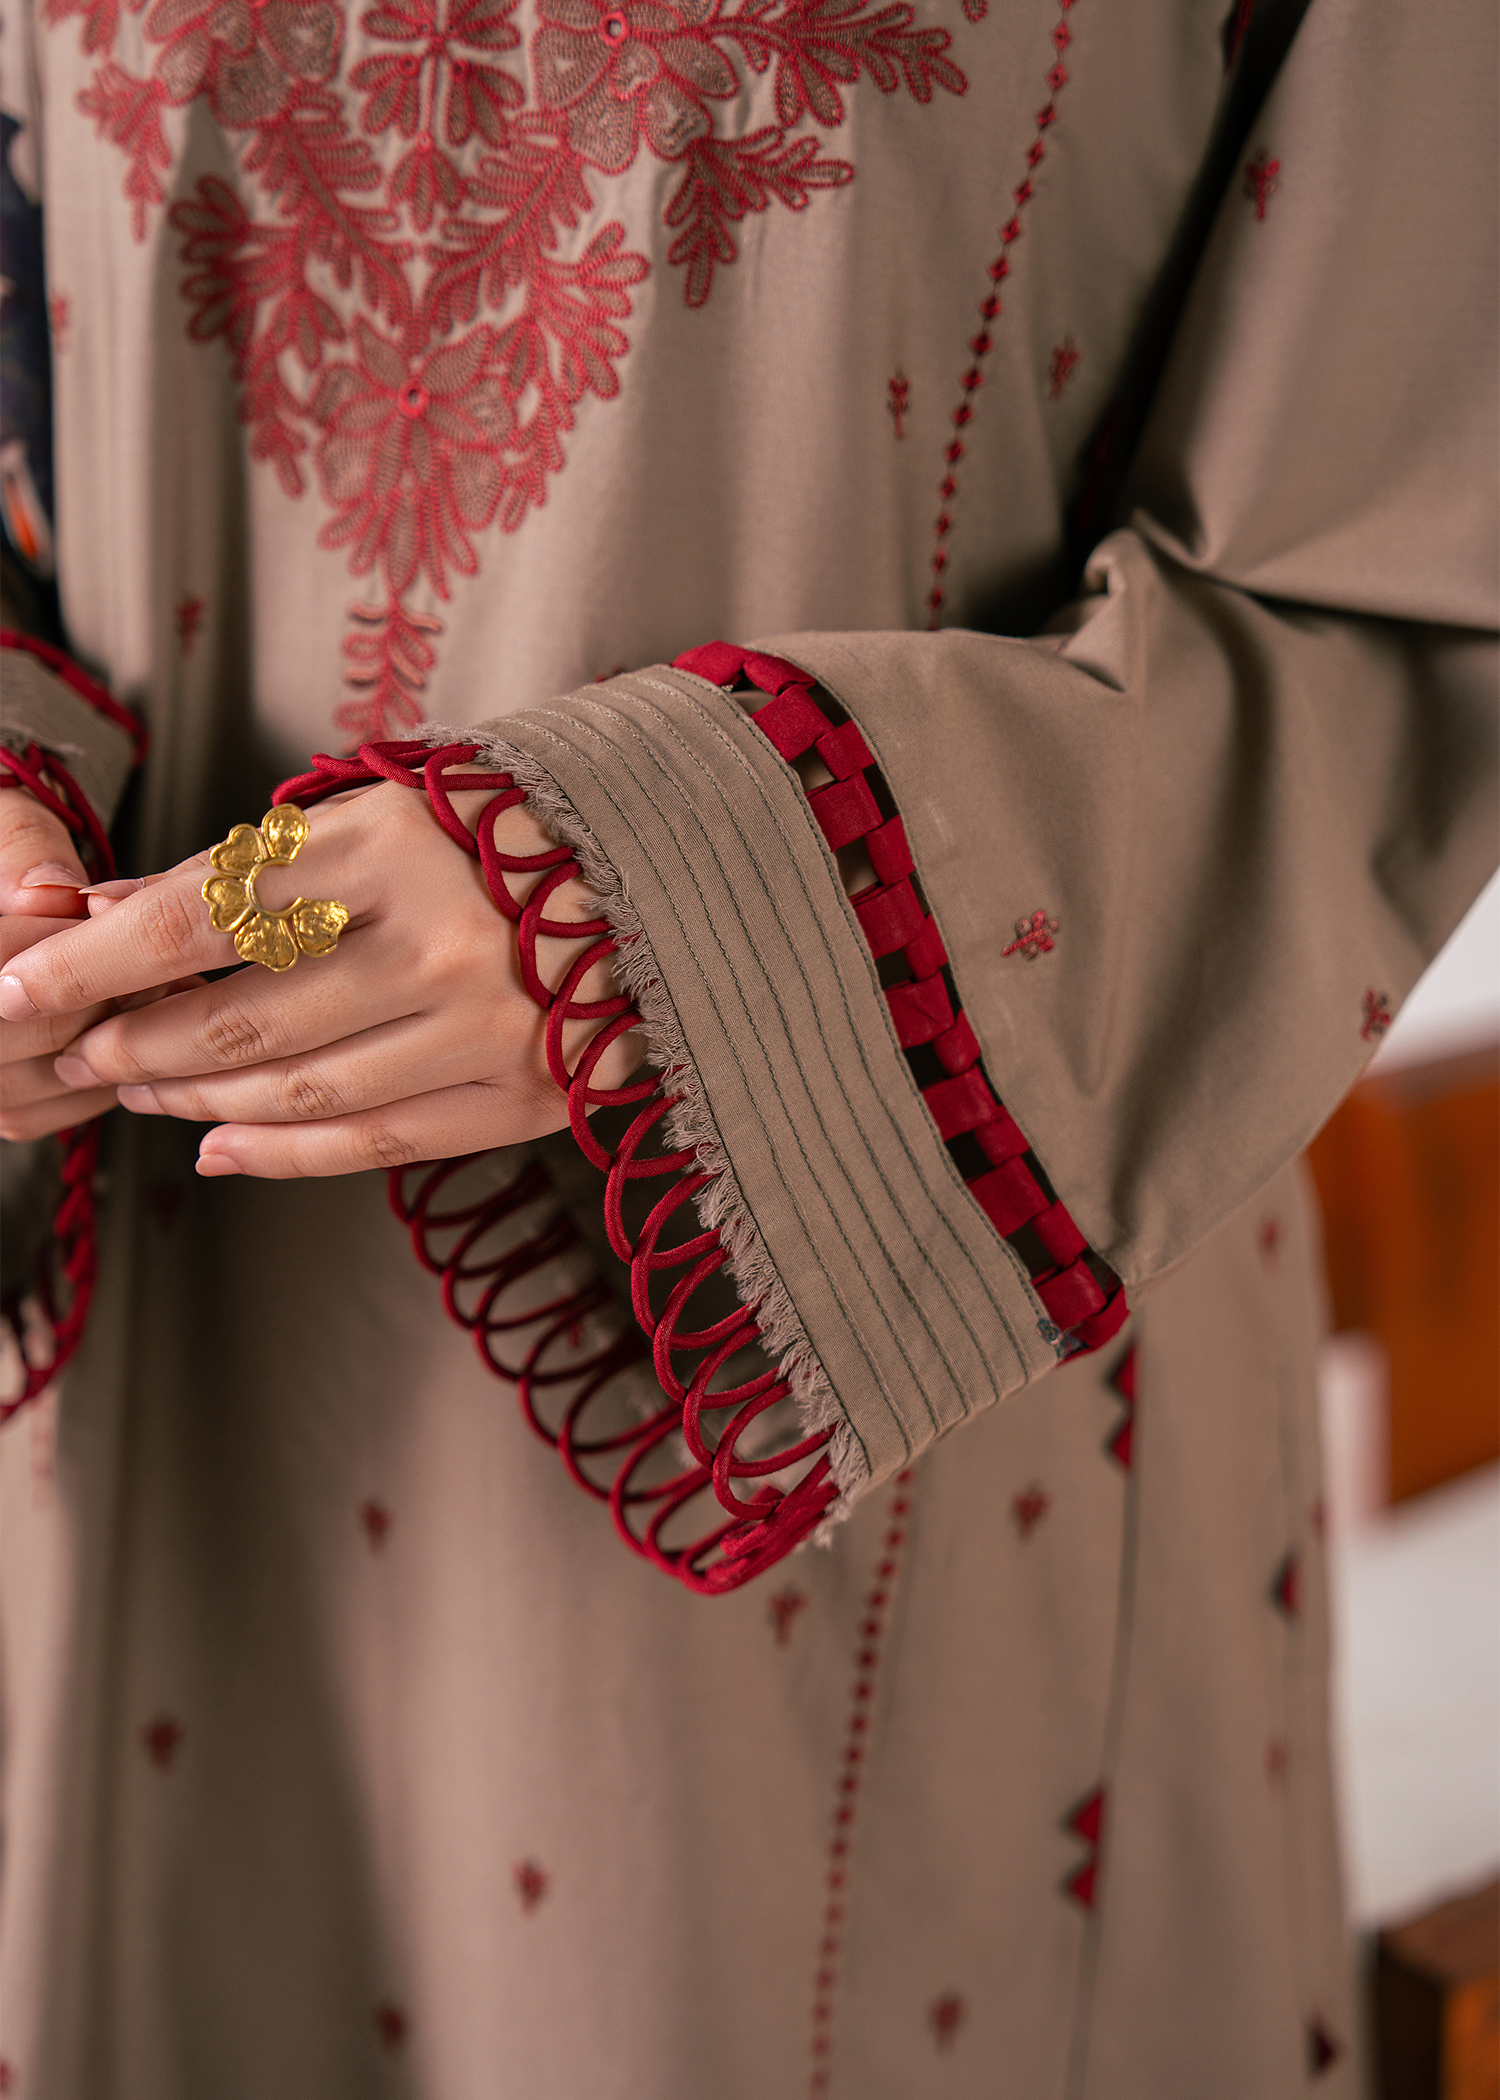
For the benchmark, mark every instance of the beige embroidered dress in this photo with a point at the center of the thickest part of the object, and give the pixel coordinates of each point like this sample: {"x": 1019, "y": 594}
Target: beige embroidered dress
{"x": 428, "y": 360}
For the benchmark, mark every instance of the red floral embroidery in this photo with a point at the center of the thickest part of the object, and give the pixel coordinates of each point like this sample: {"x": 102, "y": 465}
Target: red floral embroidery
{"x": 377, "y": 1521}
{"x": 1087, "y": 1822}
{"x": 532, "y": 1883}
{"x": 1062, "y": 366}
{"x": 1262, "y": 181}
{"x": 189, "y": 620}
{"x": 1268, "y": 1239}
{"x": 390, "y": 2024}
{"x": 782, "y": 1610}
{"x": 1029, "y": 1508}
{"x": 162, "y": 1738}
{"x": 59, "y": 314}
{"x": 898, "y": 393}
{"x": 1033, "y": 937}
{"x": 348, "y": 288}
{"x": 945, "y": 2016}
{"x": 1377, "y": 1016}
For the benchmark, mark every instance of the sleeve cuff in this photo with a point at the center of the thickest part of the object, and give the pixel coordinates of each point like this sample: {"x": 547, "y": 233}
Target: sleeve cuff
{"x": 48, "y": 702}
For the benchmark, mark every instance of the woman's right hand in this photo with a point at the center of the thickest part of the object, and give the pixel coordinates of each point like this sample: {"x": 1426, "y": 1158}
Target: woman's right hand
{"x": 40, "y": 877}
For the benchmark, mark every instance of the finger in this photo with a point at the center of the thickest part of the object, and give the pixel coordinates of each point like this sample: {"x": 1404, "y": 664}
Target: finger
{"x": 430, "y": 1126}
{"x": 60, "y": 1111}
{"x": 30, "y": 1080}
{"x": 161, "y": 932}
{"x": 253, "y": 1017}
{"x": 380, "y": 1065}
{"x": 23, "y": 1039}
{"x": 40, "y": 872}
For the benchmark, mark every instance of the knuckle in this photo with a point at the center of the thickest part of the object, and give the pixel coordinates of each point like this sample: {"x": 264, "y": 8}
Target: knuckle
{"x": 384, "y": 1145}
{"x": 165, "y": 925}
{"x": 230, "y": 1036}
{"x": 307, "y": 1099}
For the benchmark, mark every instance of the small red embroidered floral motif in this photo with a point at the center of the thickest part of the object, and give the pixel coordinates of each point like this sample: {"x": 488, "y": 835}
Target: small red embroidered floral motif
{"x": 1286, "y": 1587}
{"x": 59, "y": 314}
{"x": 1087, "y": 1822}
{"x": 1268, "y": 1239}
{"x": 390, "y": 2024}
{"x": 1033, "y": 937}
{"x": 898, "y": 393}
{"x": 782, "y": 1611}
{"x": 1029, "y": 1508}
{"x": 377, "y": 1521}
{"x": 349, "y": 285}
{"x": 1062, "y": 367}
{"x": 1377, "y": 1016}
{"x": 9, "y": 2081}
{"x": 162, "y": 1739}
{"x": 1277, "y": 1756}
{"x": 945, "y": 2016}
{"x": 1323, "y": 2049}
{"x": 532, "y": 1883}
{"x": 189, "y": 620}
{"x": 1262, "y": 181}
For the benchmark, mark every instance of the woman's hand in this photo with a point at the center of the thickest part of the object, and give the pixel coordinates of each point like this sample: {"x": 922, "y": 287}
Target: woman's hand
{"x": 40, "y": 877}
{"x": 416, "y": 1039}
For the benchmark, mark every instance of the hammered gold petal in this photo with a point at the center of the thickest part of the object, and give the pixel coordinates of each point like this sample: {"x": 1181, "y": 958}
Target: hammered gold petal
{"x": 267, "y": 938}
{"x": 239, "y": 852}
{"x": 318, "y": 924}
{"x": 283, "y": 830}
{"x": 228, "y": 900}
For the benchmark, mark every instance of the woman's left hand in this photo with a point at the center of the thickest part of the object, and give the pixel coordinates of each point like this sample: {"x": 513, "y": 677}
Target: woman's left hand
{"x": 416, "y": 1039}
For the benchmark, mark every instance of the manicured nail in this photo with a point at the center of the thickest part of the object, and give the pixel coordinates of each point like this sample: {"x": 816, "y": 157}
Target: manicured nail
{"x": 140, "y": 1100}
{"x": 49, "y": 875}
{"x": 72, "y": 1070}
{"x": 102, "y": 895}
{"x": 214, "y": 1163}
{"x": 15, "y": 1001}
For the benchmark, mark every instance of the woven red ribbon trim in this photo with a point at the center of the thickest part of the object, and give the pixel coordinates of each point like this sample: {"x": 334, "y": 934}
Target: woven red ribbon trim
{"x": 74, "y": 1225}
{"x": 1085, "y": 1301}
{"x": 555, "y": 1372}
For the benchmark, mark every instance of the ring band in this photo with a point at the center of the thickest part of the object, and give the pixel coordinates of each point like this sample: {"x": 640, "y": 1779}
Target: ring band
{"x": 275, "y": 938}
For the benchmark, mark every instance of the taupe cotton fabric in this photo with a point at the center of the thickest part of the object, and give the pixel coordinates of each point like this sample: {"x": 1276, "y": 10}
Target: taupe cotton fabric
{"x": 348, "y": 1751}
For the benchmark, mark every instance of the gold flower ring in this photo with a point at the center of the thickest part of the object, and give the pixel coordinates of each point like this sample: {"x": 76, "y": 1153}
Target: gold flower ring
{"x": 275, "y": 938}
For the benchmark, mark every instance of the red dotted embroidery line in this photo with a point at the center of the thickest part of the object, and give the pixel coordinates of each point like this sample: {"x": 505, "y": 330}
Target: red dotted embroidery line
{"x": 1065, "y": 1272}
{"x": 477, "y": 1283}
{"x": 851, "y": 1775}
{"x": 990, "y": 309}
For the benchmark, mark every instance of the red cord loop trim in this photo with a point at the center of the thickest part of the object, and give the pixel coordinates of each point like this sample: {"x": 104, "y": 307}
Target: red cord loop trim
{"x": 1084, "y": 1311}
{"x": 483, "y": 1273}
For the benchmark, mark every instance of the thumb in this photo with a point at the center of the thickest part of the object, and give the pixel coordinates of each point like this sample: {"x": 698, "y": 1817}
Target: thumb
{"x": 40, "y": 872}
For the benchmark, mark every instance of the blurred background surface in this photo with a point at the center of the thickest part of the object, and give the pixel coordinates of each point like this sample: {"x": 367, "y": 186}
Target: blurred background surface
{"x": 1408, "y": 1175}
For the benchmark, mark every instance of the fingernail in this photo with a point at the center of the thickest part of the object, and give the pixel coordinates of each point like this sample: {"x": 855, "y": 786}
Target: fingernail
{"x": 73, "y": 1071}
{"x": 15, "y": 1001}
{"x": 140, "y": 1100}
{"x": 102, "y": 895}
{"x": 211, "y": 1164}
{"x": 49, "y": 875}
